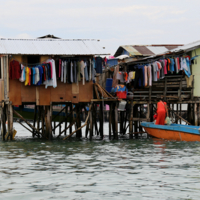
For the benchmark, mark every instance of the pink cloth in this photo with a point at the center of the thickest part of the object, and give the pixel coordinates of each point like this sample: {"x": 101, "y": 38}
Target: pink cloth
{"x": 165, "y": 67}
{"x": 107, "y": 107}
{"x": 60, "y": 63}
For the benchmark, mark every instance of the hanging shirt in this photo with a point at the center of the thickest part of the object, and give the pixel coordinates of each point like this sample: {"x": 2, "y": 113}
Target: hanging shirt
{"x": 27, "y": 76}
{"x": 53, "y": 81}
{"x": 162, "y": 74}
{"x": 71, "y": 72}
{"x": 86, "y": 72}
{"x": 74, "y": 72}
{"x": 29, "y": 81}
{"x": 99, "y": 65}
{"x": 60, "y": 65}
{"x": 14, "y": 70}
{"x": 33, "y": 75}
{"x": 168, "y": 64}
{"x": 62, "y": 71}
{"x": 44, "y": 73}
{"x": 188, "y": 64}
{"x": 82, "y": 71}
{"x": 159, "y": 68}
{"x": 155, "y": 70}
{"x": 37, "y": 75}
{"x": 145, "y": 76}
{"x": 172, "y": 65}
{"x": 23, "y": 74}
{"x": 178, "y": 63}
{"x": 79, "y": 71}
{"x": 65, "y": 71}
{"x": 149, "y": 75}
{"x": 51, "y": 70}
{"x": 41, "y": 75}
{"x": 165, "y": 66}
{"x": 184, "y": 64}
{"x": 90, "y": 70}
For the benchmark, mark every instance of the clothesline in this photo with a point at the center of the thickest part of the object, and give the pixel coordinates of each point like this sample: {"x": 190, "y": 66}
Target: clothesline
{"x": 139, "y": 74}
{"x": 47, "y": 73}
{"x": 151, "y": 60}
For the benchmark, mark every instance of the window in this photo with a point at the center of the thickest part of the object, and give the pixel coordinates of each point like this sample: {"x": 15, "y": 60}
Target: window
{"x": 33, "y": 59}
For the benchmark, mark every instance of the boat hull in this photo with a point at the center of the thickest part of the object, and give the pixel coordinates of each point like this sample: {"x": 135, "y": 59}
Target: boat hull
{"x": 172, "y": 135}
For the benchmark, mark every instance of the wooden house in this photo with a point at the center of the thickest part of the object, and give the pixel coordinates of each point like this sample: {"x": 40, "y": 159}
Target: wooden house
{"x": 32, "y": 51}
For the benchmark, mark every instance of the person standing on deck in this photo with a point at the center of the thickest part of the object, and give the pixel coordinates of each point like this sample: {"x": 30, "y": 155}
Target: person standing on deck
{"x": 161, "y": 112}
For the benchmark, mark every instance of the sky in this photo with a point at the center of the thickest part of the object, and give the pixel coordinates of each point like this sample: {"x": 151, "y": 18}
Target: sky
{"x": 114, "y": 22}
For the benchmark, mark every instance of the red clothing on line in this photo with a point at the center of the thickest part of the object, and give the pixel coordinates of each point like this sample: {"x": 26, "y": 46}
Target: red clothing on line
{"x": 14, "y": 70}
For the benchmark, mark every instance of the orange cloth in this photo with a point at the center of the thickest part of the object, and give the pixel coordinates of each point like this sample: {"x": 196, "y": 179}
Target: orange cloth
{"x": 161, "y": 112}
{"x": 125, "y": 76}
{"x": 168, "y": 64}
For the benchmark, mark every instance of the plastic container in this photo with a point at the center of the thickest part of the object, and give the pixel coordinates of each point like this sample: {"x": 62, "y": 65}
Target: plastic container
{"x": 109, "y": 82}
{"x": 121, "y": 95}
{"x": 122, "y": 105}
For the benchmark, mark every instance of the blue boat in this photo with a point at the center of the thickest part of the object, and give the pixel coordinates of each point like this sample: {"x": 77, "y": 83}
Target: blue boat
{"x": 172, "y": 132}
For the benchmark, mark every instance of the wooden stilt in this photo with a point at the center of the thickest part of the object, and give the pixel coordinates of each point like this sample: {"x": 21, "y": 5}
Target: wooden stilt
{"x": 172, "y": 114}
{"x": 48, "y": 122}
{"x": 79, "y": 132}
{"x": 95, "y": 119}
{"x": 87, "y": 129}
{"x": 101, "y": 119}
{"x": 66, "y": 111}
{"x": 195, "y": 115}
{"x": 38, "y": 118}
{"x": 124, "y": 124}
{"x": 71, "y": 117}
{"x": 51, "y": 117}
{"x": 3, "y": 122}
{"x": 116, "y": 122}
{"x": 82, "y": 125}
{"x": 131, "y": 121}
{"x": 34, "y": 119}
{"x": 136, "y": 122}
{"x": 110, "y": 120}
{"x": 177, "y": 114}
{"x": 9, "y": 110}
{"x": 113, "y": 119}
{"x": 54, "y": 125}
{"x": 43, "y": 120}
{"x": 91, "y": 123}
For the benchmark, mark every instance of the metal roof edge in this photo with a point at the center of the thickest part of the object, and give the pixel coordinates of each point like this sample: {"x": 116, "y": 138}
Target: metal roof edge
{"x": 50, "y": 39}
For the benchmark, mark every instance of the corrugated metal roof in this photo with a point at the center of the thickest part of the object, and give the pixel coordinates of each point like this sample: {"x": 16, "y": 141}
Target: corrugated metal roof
{"x": 132, "y": 51}
{"x": 157, "y": 50}
{"x": 51, "y": 47}
{"x": 187, "y": 47}
{"x": 145, "y": 50}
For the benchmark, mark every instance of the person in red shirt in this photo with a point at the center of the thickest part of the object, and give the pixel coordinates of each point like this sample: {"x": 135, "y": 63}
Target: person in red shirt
{"x": 161, "y": 112}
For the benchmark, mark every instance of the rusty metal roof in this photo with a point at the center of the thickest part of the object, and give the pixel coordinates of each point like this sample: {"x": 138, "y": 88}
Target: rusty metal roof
{"x": 51, "y": 47}
{"x": 186, "y": 47}
{"x": 145, "y": 50}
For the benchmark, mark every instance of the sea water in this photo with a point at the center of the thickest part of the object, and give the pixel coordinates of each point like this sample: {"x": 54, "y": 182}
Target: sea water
{"x": 99, "y": 169}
